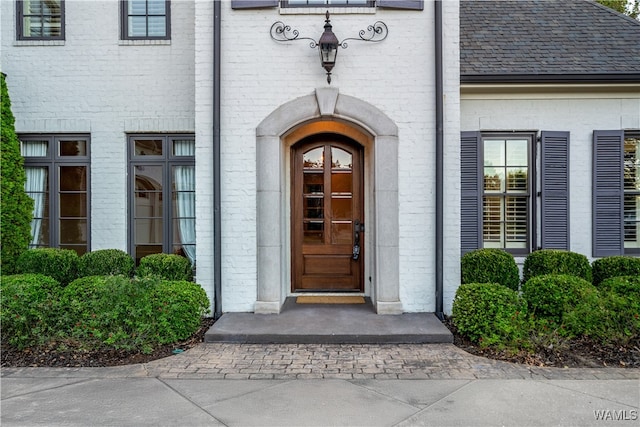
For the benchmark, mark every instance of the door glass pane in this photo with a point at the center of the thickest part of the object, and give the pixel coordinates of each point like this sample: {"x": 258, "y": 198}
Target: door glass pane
{"x": 313, "y": 207}
{"x": 72, "y": 148}
{"x": 144, "y": 250}
{"x": 313, "y": 183}
{"x": 341, "y": 182}
{"x": 341, "y": 159}
{"x": 148, "y": 147}
{"x": 313, "y": 159}
{"x": 341, "y": 233}
{"x": 313, "y": 232}
{"x": 341, "y": 208}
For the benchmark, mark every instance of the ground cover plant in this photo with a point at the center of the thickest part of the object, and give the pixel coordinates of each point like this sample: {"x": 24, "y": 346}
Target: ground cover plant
{"x": 95, "y": 320}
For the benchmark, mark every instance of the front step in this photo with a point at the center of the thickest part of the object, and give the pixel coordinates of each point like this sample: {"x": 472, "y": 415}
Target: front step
{"x": 328, "y": 324}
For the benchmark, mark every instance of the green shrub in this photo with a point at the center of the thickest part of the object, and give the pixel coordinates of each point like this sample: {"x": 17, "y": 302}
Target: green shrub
{"x": 16, "y": 207}
{"x": 166, "y": 266}
{"x": 614, "y": 266}
{"x": 490, "y": 266}
{"x": 489, "y": 313}
{"x": 132, "y": 314}
{"x": 178, "y": 308}
{"x": 552, "y": 261}
{"x": 106, "y": 262}
{"x": 28, "y": 309}
{"x": 109, "y": 311}
{"x": 61, "y": 264}
{"x": 550, "y": 296}
{"x": 616, "y": 319}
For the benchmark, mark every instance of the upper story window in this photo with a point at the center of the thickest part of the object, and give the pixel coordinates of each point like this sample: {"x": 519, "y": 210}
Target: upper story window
{"x": 338, "y": 3}
{"x": 40, "y": 19}
{"x": 146, "y": 19}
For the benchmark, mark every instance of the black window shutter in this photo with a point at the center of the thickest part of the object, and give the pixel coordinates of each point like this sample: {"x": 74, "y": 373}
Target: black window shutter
{"x": 253, "y": 4}
{"x": 470, "y": 192}
{"x": 554, "y": 172}
{"x": 608, "y": 193}
{"x": 401, "y": 4}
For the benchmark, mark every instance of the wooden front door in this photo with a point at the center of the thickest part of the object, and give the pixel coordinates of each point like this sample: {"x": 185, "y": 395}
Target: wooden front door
{"x": 327, "y": 214}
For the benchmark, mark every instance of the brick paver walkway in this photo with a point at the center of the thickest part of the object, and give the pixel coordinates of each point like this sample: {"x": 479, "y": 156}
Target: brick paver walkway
{"x": 349, "y": 361}
{"x": 334, "y": 361}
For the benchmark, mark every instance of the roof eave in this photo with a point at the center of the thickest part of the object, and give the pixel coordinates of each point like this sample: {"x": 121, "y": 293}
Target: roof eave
{"x": 609, "y": 78}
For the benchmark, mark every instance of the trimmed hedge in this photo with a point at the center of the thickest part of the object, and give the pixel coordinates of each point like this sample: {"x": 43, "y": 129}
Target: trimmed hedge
{"x": 28, "y": 308}
{"x": 489, "y": 313}
{"x": 614, "y": 266}
{"x": 616, "y": 318}
{"x": 132, "y": 314}
{"x": 550, "y": 296}
{"x": 106, "y": 262}
{"x": 61, "y": 264}
{"x": 553, "y": 261}
{"x": 490, "y": 266}
{"x": 166, "y": 266}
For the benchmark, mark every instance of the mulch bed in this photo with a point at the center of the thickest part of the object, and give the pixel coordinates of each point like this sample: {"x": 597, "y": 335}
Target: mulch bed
{"x": 574, "y": 354}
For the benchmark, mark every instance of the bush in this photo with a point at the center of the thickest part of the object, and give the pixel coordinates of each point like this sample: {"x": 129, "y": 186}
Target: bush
{"x": 166, "y": 266}
{"x": 16, "y": 207}
{"x": 132, "y": 314}
{"x": 552, "y": 261}
{"x": 178, "y": 307}
{"x": 489, "y": 313}
{"x": 106, "y": 262}
{"x": 61, "y": 264}
{"x": 28, "y": 308}
{"x": 490, "y": 266}
{"x": 550, "y": 296}
{"x": 616, "y": 319}
{"x": 614, "y": 266}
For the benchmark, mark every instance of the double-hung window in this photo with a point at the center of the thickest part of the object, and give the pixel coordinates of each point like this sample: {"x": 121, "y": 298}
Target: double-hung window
{"x": 506, "y": 199}
{"x": 286, "y": 4}
{"x": 162, "y": 195}
{"x": 146, "y": 19}
{"x": 332, "y": 3}
{"x": 616, "y": 192}
{"x": 57, "y": 169}
{"x": 40, "y": 19}
{"x": 510, "y": 199}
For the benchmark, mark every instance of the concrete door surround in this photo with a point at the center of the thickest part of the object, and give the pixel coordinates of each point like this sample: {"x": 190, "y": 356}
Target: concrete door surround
{"x": 367, "y": 125}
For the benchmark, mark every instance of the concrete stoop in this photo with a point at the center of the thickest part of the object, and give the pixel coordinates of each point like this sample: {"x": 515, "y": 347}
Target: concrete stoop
{"x": 328, "y": 324}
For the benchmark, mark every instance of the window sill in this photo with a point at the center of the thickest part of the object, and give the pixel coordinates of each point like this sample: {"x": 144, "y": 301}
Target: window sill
{"x": 144, "y": 42}
{"x": 38, "y": 43}
{"x": 321, "y": 10}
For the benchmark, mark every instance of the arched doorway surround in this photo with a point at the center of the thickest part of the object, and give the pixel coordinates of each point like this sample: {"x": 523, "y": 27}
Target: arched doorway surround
{"x": 327, "y": 111}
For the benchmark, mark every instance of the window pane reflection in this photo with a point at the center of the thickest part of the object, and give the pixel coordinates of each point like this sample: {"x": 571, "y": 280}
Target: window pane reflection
{"x": 313, "y": 159}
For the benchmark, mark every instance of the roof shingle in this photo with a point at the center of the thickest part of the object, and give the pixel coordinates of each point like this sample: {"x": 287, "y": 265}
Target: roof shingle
{"x": 547, "y": 40}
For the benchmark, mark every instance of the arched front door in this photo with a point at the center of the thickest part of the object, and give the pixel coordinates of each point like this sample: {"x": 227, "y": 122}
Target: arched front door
{"x": 327, "y": 214}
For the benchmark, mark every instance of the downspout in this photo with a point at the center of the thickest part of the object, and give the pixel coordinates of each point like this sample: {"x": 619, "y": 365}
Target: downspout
{"x": 439, "y": 162}
{"x": 217, "y": 223}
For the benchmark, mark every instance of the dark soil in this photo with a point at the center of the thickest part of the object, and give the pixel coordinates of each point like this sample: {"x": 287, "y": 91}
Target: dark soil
{"x": 576, "y": 353}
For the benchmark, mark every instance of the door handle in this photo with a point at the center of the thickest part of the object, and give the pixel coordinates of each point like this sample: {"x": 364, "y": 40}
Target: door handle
{"x": 357, "y": 228}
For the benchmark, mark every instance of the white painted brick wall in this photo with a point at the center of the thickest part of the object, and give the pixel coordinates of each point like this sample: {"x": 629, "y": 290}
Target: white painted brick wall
{"x": 95, "y": 84}
{"x": 580, "y": 113}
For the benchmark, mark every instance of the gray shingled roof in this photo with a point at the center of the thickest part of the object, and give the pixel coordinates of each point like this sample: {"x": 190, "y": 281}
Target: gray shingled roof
{"x": 547, "y": 40}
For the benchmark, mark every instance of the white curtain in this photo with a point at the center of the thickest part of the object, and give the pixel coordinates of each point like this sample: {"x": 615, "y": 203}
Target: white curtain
{"x": 35, "y": 185}
{"x": 185, "y": 181}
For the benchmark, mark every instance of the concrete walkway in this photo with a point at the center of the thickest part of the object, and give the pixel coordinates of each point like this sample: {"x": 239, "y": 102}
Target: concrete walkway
{"x": 320, "y": 384}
